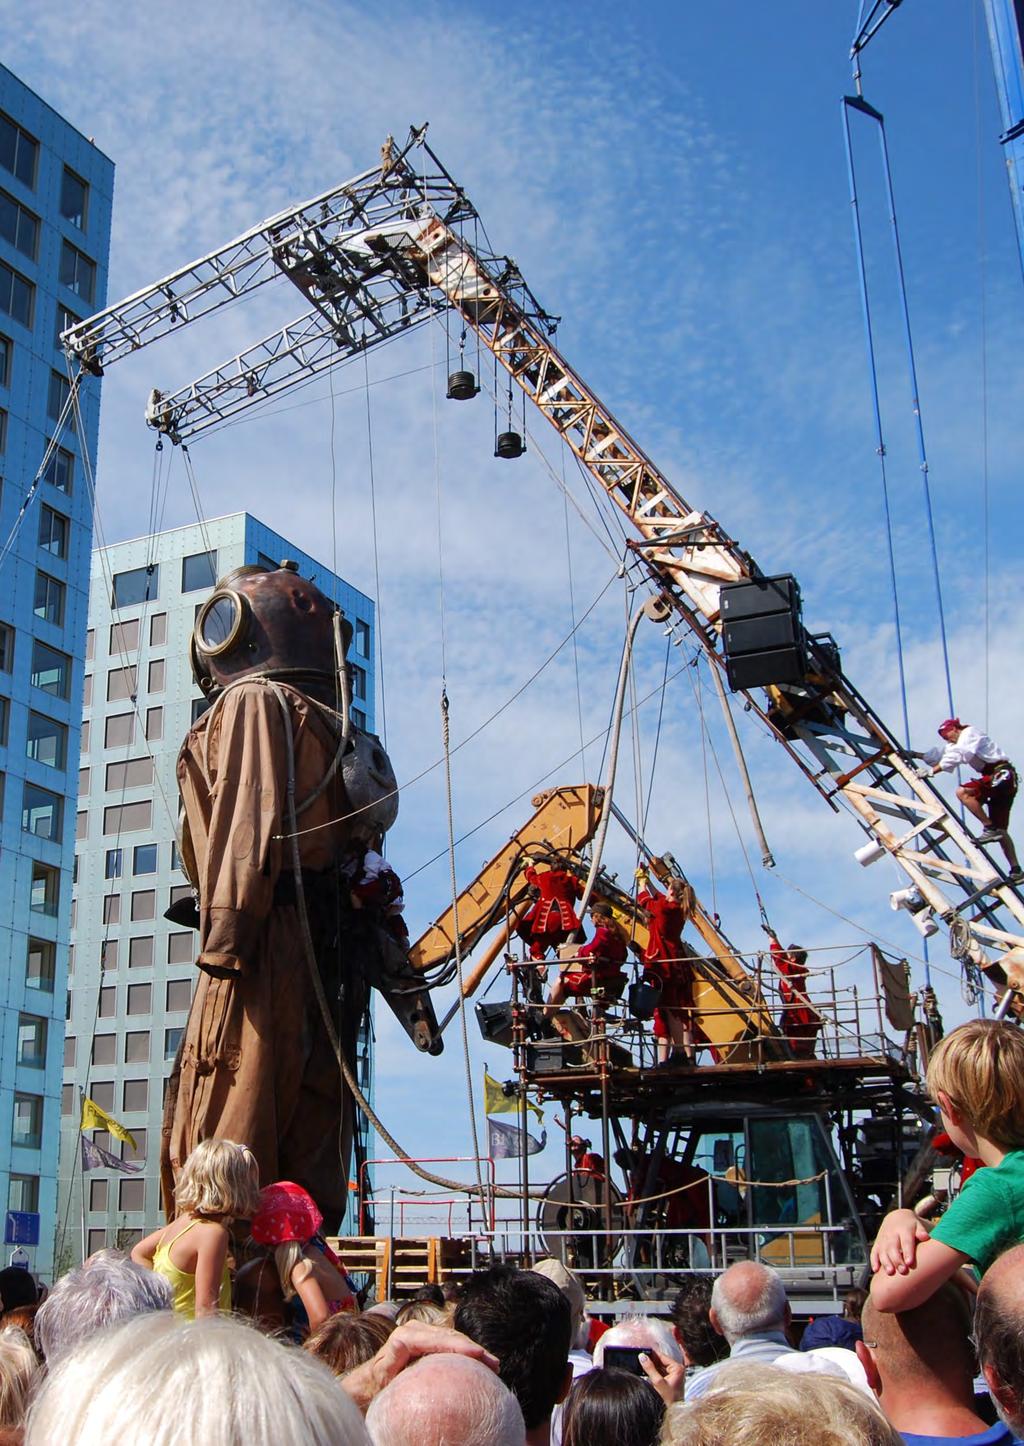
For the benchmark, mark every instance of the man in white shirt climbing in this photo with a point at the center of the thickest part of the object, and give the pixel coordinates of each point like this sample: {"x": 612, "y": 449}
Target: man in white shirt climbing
{"x": 994, "y": 789}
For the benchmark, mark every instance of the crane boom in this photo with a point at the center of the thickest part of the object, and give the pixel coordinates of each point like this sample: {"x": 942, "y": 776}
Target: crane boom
{"x": 389, "y": 249}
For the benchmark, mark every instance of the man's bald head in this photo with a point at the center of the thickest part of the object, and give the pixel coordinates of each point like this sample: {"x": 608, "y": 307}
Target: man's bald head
{"x": 446, "y": 1398}
{"x": 931, "y": 1342}
{"x": 999, "y": 1332}
{"x": 747, "y": 1299}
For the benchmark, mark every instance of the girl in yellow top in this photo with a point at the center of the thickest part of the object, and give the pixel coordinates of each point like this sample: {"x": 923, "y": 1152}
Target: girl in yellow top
{"x": 218, "y": 1182}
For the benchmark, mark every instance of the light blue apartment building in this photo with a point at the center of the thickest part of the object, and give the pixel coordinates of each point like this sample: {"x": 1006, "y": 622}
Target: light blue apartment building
{"x": 132, "y": 971}
{"x": 56, "y": 191}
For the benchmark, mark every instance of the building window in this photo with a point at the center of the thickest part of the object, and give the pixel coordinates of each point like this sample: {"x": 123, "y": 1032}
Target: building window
{"x": 108, "y": 1002}
{"x": 96, "y": 1239}
{"x": 51, "y": 671}
{"x": 157, "y": 674}
{"x": 128, "y": 817}
{"x": 78, "y": 272}
{"x": 179, "y": 995}
{"x": 122, "y": 683}
{"x": 87, "y": 691}
{"x": 3, "y": 430}
{"x": 67, "y": 1100}
{"x": 74, "y": 194}
{"x": 32, "y": 1041}
{"x": 136, "y": 1046}
{"x": 53, "y": 532}
{"x": 181, "y": 947}
{"x": 60, "y": 472}
{"x": 124, "y": 637}
{"x": 132, "y": 773}
{"x": 90, "y": 645}
{"x": 84, "y": 775}
{"x": 66, "y": 319}
{"x": 98, "y": 1194}
{"x": 138, "y": 1150}
{"x": 114, "y": 864}
{"x": 139, "y": 585}
{"x": 18, "y": 152}
{"x": 132, "y": 1193}
{"x": 102, "y": 1093}
{"x": 6, "y": 352}
{"x": 103, "y": 1047}
{"x": 154, "y": 724}
{"x": 199, "y": 707}
{"x": 158, "y": 629}
{"x": 6, "y": 647}
{"x": 140, "y": 953}
{"x": 198, "y": 571}
{"x": 28, "y": 1121}
{"x": 119, "y": 730}
{"x": 358, "y": 681}
{"x": 49, "y": 599}
{"x": 112, "y": 909}
{"x": 358, "y": 718}
{"x": 57, "y": 395}
{"x": 136, "y": 1095}
{"x": 47, "y": 740}
{"x": 45, "y": 895}
{"x": 145, "y": 859}
{"x": 41, "y": 964}
{"x": 70, "y": 1051}
{"x": 143, "y": 905}
{"x": 16, "y": 295}
{"x": 108, "y": 954}
{"x": 19, "y": 226}
{"x": 23, "y": 1194}
{"x": 5, "y": 715}
{"x": 172, "y": 1038}
{"x": 140, "y": 996}
{"x": 42, "y": 812}
{"x": 362, "y": 637}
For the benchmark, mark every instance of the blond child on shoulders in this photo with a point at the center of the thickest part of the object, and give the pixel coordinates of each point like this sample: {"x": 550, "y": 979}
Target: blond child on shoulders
{"x": 976, "y": 1077}
{"x": 218, "y": 1183}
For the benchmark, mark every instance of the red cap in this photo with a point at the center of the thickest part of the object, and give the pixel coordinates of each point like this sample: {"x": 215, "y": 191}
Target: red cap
{"x": 950, "y": 724}
{"x": 287, "y": 1212}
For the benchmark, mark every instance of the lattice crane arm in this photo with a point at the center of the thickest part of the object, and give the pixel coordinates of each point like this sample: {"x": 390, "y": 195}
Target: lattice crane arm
{"x": 381, "y": 253}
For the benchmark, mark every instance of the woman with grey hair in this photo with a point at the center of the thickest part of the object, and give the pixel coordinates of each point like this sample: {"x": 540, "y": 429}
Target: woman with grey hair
{"x": 163, "y": 1379}
{"x": 109, "y": 1289}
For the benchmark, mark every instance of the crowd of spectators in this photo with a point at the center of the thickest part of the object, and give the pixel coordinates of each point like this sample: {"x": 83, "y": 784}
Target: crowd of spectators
{"x": 508, "y": 1357}
{"x": 503, "y": 1361}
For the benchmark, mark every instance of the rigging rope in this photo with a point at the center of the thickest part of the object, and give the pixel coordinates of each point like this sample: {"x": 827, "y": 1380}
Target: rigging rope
{"x": 379, "y": 607}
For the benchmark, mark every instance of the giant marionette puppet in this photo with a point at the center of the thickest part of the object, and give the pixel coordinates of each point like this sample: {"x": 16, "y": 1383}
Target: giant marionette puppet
{"x": 285, "y": 804}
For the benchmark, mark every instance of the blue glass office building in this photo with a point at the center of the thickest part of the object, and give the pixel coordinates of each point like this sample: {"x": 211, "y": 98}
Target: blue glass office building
{"x": 133, "y": 971}
{"x": 56, "y": 191}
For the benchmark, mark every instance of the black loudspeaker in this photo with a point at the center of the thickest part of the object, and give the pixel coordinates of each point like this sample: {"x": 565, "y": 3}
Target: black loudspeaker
{"x": 762, "y": 632}
{"x": 552, "y": 1056}
{"x": 495, "y": 1021}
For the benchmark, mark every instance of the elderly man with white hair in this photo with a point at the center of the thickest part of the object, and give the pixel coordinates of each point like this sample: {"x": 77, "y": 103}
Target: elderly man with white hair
{"x": 749, "y": 1308}
{"x": 446, "y": 1400}
{"x": 108, "y": 1289}
{"x": 649, "y": 1332}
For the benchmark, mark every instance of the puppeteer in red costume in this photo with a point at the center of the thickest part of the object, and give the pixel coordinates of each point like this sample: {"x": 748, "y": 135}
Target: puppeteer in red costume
{"x": 799, "y": 1021}
{"x": 257, "y": 1063}
{"x": 669, "y": 960}
{"x": 552, "y": 918}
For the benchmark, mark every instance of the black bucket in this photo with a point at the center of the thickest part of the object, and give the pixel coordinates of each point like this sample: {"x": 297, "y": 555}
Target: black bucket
{"x": 643, "y": 998}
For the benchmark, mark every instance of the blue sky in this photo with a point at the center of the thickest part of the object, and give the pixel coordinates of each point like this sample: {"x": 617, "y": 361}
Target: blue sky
{"x": 672, "y": 183}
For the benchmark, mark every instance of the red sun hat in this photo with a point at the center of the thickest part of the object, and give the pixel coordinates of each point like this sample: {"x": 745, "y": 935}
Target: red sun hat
{"x": 950, "y": 724}
{"x": 287, "y": 1212}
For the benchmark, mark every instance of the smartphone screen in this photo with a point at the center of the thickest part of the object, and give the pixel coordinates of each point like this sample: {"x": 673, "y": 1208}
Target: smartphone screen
{"x": 625, "y": 1358}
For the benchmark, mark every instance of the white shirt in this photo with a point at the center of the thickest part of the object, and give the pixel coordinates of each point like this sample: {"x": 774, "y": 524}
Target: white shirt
{"x": 973, "y": 748}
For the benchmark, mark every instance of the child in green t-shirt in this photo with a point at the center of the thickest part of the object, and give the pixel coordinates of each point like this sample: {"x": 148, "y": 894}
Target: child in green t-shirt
{"x": 976, "y": 1077}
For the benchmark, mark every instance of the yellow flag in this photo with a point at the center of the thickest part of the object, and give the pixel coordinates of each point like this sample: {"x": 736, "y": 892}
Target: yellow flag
{"x": 497, "y": 1102}
{"x": 93, "y": 1118}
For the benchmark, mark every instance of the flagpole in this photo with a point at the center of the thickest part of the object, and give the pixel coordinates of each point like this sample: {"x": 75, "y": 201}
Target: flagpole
{"x": 81, "y": 1165}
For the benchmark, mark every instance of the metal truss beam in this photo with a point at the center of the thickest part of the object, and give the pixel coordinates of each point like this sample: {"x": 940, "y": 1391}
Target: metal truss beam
{"x": 376, "y": 257}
